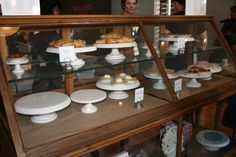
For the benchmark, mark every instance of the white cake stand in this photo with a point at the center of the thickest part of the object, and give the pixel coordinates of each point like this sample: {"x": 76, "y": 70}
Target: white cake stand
{"x": 17, "y": 62}
{"x": 42, "y": 106}
{"x": 118, "y": 89}
{"x": 148, "y": 54}
{"x": 212, "y": 140}
{"x": 115, "y": 57}
{"x": 77, "y": 63}
{"x": 159, "y": 84}
{"x": 88, "y": 96}
{"x": 193, "y": 83}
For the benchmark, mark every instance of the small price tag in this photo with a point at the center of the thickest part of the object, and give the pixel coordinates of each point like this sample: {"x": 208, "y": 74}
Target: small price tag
{"x": 178, "y": 85}
{"x": 67, "y": 53}
{"x": 139, "y": 94}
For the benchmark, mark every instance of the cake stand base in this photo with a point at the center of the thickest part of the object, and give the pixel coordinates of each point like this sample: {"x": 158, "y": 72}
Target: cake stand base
{"x": 89, "y": 108}
{"x": 45, "y": 118}
{"x": 118, "y": 95}
{"x": 193, "y": 83}
{"x": 159, "y": 85}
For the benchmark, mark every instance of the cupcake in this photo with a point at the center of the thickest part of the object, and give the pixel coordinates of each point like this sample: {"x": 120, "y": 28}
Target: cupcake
{"x": 106, "y": 78}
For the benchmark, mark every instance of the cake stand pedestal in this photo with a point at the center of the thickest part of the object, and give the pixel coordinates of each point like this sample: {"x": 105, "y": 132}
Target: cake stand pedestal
{"x": 118, "y": 89}
{"x": 17, "y": 62}
{"x": 115, "y": 57}
{"x": 42, "y": 106}
{"x": 88, "y": 96}
{"x": 159, "y": 84}
{"x": 193, "y": 83}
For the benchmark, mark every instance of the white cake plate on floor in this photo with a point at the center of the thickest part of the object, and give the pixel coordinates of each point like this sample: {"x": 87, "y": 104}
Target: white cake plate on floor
{"x": 193, "y": 83}
{"x": 115, "y": 57}
{"x": 42, "y": 106}
{"x": 159, "y": 84}
{"x": 212, "y": 140}
{"x": 88, "y": 96}
{"x": 118, "y": 89}
{"x": 17, "y": 62}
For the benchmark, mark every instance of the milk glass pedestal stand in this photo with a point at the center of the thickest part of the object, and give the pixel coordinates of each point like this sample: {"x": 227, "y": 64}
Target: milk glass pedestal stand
{"x": 17, "y": 62}
{"x": 179, "y": 42}
{"x": 212, "y": 140}
{"x": 193, "y": 83}
{"x": 159, "y": 84}
{"x": 42, "y": 106}
{"x": 118, "y": 89}
{"x": 115, "y": 57}
{"x": 148, "y": 54}
{"x": 78, "y": 63}
{"x": 88, "y": 96}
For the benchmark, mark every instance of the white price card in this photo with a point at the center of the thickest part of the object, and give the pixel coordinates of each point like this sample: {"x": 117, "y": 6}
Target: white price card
{"x": 178, "y": 85}
{"x": 139, "y": 94}
{"x": 20, "y": 7}
{"x": 67, "y": 54}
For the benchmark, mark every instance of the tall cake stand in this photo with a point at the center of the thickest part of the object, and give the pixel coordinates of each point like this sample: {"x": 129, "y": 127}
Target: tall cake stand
{"x": 193, "y": 83}
{"x": 159, "y": 84}
{"x": 88, "y": 96}
{"x": 17, "y": 62}
{"x": 118, "y": 89}
{"x": 115, "y": 57}
{"x": 78, "y": 63}
{"x": 42, "y": 106}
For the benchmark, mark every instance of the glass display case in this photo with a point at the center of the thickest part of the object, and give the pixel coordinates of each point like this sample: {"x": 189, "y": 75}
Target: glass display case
{"x": 75, "y": 84}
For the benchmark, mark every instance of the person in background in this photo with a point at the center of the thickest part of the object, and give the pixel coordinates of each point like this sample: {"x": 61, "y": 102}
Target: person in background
{"x": 129, "y": 6}
{"x": 229, "y": 28}
{"x": 229, "y": 32}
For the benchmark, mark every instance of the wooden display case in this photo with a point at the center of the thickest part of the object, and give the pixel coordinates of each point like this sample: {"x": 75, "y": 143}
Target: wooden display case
{"x": 74, "y": 133}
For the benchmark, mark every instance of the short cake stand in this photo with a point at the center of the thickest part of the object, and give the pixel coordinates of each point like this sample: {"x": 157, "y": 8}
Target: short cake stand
{"x": 42, "y": 106}
{"x": 88, "y": 96}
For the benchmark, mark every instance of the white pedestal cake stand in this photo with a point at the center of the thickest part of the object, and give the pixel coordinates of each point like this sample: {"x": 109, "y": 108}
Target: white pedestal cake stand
{"x": 88, "y": 96}
{"x": 159, "y": 84}
{"x": 78, "y": 63}
{"x": 193, "y": 83}
{"x": 212, "y": 140}
{"x": 118, "y": 89}
{"x": 115, "y": 57}
{"x": 148, "y": 54}
{"x": 42, "y": 106}
{"x": 17, "y": 62}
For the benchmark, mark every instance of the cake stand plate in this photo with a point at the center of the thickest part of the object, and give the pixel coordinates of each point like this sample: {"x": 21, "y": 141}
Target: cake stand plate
{"x": 88, "y": 96}
{"x": 193, "y": 83}
{"x": 159, "y": 84}
{"x": 212, "y": 140}
{"x": 42, "y": 106}
{"x": 77, "y": 50}
{"x": 17, "y": 62}
{"x": 115, "y": 54}
{"x": 118, "y": 89}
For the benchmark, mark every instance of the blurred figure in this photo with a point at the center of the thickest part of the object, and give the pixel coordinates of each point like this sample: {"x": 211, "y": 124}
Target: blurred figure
{"x": 129, "y": 6}
{"x": 229, "y": 28}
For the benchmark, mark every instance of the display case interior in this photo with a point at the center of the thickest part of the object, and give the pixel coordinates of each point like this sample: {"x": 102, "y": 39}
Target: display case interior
{"x": 80, "y": 83}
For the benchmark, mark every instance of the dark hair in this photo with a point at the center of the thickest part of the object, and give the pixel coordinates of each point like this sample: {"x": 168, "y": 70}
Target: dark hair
{"x": 123, "y": 3}
{"x": 46, "y": 6}
{"x": 233, "y": 8}
{"x": 180, "y": 1}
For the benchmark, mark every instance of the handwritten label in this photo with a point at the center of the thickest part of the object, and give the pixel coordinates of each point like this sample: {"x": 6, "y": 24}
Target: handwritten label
{"x": 139, "y": 94}
{"x": 67, "y": 54}
{"x": 178, "y": 85}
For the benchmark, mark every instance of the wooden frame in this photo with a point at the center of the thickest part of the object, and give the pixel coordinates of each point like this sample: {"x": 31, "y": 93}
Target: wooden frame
{"x": 83, "y": 142}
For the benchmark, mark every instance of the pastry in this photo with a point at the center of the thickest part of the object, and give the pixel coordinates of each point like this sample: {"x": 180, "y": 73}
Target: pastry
{"x": 75, "y": 43}
{"x": 110, "y": 35}
{"x": 118, "y": 80}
